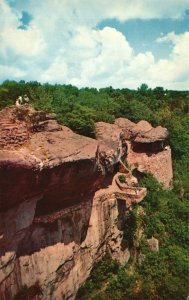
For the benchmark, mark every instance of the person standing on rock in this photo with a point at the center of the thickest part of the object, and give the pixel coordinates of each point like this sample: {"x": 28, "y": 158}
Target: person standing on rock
{"x": 26, "y": 99}
{"x": 19, "y": 101}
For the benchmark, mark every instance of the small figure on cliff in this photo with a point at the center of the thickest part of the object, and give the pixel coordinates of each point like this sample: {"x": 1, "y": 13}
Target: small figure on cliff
{"x": 26, "y": 99}
{"x": 22, "y": 100}
{"x": 19, "y": 101}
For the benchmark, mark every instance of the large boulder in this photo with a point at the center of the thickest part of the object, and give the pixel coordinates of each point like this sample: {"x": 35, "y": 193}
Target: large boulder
{"x": 127, "y": 127}
{"x": 112, "y": 146}
{"x": 147, "y": 149}
{"x": 153, "y": 135}
{"x": 46, "y": 165}
{"x": 141, "y": 127}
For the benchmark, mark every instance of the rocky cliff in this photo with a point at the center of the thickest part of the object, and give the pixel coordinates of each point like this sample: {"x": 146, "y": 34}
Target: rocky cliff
{"x": 61, "y": 203}
{"x": 147, "y": 149}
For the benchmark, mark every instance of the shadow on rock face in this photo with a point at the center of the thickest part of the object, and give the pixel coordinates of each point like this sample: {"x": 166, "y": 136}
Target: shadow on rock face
{"x": 122, "y": 206}
{"x": 64, "y": 226}
{"x": 149, "y": 148}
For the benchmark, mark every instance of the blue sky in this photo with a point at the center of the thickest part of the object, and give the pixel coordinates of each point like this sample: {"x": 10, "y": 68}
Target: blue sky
{"x": 25, "y": 20}
{"x": 142, "y": 34}
{"x": 121, "y": 43}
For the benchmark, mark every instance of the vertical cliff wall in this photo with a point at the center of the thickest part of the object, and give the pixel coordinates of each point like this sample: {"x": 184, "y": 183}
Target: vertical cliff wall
{"x": 147, "y": 149}
{"x": 62, "y": 208}
{"x": 59, "y": 251}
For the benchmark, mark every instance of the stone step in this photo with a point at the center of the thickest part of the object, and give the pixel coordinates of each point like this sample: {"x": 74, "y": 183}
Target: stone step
{"x": 9, "y": 128}
{"x": 13, "y": 123}
{"x": 7, "y": 120}
{"x": 15, "y": 135}
{"x": 6, "y": 123}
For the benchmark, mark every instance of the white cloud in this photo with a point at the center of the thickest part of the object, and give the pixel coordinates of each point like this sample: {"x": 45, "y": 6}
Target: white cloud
{"x": 63, "y": 44}
{"x": 176, "y": 67}
{"x": 57, "y": 72}
{"x": 21, "y": 42}
{"x": 119, "y": 66}
{"x": 8, "y": 70}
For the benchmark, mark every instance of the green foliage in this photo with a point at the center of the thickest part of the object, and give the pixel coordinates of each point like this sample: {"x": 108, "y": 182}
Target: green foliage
{"x": 42, "y": 98}
{"x": 101, "y": 271}
{"x": 167, "y": 271}
{"x": 122, "y": 178}
{"x": 81, "y": 120}
{"x": 160, "y": 275}
{"x": 130, "y": 227}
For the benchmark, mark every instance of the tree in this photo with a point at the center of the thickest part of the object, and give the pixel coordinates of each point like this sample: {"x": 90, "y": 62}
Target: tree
{"x": 81, "y": 120}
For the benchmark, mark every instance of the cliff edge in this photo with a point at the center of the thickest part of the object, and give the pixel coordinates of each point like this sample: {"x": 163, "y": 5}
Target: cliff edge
{"x": 62, "y": 205}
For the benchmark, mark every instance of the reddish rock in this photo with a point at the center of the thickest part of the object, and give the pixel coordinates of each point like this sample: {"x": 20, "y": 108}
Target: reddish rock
{"x": 46, "y": 166}
{"x": 55, "y": 220}
{"x": 153, "y": 135}
{"x": 124, "y": 123}
{"x": 13, "y": 133}
{"x": 49, "y": 125}
{"x": 142, "y": 126}
{"x": 147, "y": 150}
{"x": 159, "y": 164}
{"x": 127, "y": 127}
{"x": 59, "y": 249}
{"x": 112, "y": 146}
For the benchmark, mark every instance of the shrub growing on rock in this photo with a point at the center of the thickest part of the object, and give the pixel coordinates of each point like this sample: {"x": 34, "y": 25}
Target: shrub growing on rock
{"x": 122, "y": 178}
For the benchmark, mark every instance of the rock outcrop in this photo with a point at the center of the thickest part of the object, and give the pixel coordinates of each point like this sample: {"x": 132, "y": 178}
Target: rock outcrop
{"x": 112, "y": 146}
{"x": 147, "y": 149}
{"x": 151, "y": 136}
{"x": 12, "y": 131}
{"x": 62, "y": 205}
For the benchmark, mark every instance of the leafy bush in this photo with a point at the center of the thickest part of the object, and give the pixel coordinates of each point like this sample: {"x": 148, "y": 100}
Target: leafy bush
{"x": 81, "y": 120}
{"x": 122, "y": 178}
{"x": 100, "y": 272}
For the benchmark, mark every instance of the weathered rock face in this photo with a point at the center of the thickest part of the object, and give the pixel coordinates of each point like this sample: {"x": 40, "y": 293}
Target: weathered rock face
{"x": 59, "y": 253}
{"x": 60, "y": 210}
{"x": 153, "y": 135}
{"x": 147, "y": 150}
{"x": 126, "y": 126}
{"x": 112, "y": 145}
{"x": 46, "y": 165}
{"x": 12, "y": 131}
{"x": 159, "y": 164}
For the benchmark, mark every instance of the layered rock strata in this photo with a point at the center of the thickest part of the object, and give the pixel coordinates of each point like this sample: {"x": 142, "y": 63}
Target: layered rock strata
{"x": 147, "y": 149}
{"x": 61, "y": 207}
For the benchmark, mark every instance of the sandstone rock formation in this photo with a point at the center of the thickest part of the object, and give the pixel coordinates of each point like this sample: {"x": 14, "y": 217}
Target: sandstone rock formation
{"x": 12, "y": 131}
{"x": 112, "y": 146}
{"x": 147, "y": 149}
{"x": 151, "y": 136}
{"x": 61, "y": 205}
{"x": 126, "y": 126}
